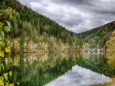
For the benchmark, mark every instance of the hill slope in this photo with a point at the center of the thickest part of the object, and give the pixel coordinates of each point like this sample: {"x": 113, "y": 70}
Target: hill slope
{"x": 30, "y": 27}
{"x": 98, "y": 37}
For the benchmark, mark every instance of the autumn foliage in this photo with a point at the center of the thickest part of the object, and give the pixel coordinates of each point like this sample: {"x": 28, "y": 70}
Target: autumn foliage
{"x": 111, "y": 50}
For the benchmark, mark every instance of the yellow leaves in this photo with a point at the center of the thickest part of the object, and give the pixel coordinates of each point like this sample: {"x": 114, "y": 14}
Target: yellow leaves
{"x": 2, "y": 54}
{"x": 5, "y": 81}
{"x": 1, "y": 83}
{"x": 2, "y": 43}
{"x": 5, "y": 74}
{"x": 7, "y": 49}
{"x": 5, "y": 27}
{"x": 7, "y": 84}
{"x": 11, "y": 84}
{"x": 1, "y": 78}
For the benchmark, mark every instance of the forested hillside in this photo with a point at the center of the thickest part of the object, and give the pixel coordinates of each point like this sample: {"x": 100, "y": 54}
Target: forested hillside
{"x": 111, "y": 50}
{"x": 97, "y": 37}
{"x": 28, "y": 17}
{"x": 32, "y": 28}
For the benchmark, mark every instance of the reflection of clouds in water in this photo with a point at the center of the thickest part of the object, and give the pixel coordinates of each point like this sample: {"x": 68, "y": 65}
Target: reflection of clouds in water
{"x": 79, "y": 76}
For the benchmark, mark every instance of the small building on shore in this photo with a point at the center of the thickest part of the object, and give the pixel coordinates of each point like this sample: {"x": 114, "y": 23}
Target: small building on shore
{"x": 93, "y": 50}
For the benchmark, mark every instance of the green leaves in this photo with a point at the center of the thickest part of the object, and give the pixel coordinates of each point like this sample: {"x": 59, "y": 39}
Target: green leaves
{"x": 6, "y": 61}
{"x": 8, "y": 23}
{"x": 8, "y": 12}
{"x": 8, "y": 27}
{"x": 2, "y": 33}
{"x": 2, "y": 36}
{"x": 5, "y": 76}
{"x": 1, "y": 24}
{"x": 10, "y": 73}
{"x": 2, "y": 66}
{"x": 111, "y": 50}
{"x": 5, "y": 28}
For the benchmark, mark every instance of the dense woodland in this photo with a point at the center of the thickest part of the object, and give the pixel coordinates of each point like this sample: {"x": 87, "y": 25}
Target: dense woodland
{"x": 31, "y": 25}
{"x": 97, "y": 37}
{"x": 26, "y": 21}
{"x": 111, "y": 50}
{"x": 102, "y": 37}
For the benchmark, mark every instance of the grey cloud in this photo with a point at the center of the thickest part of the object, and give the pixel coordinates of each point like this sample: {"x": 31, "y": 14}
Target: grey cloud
{"x": 25, "y": 2}
{"x": 75, "y": 15}
{"x": 101, "y": 6}
{"x": 75, "y": 2}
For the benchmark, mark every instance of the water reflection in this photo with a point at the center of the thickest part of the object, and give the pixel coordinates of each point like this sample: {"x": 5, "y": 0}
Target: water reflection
{"x": 86, "y": 55}
{"x": 34, "y": 70}
{"x": 38, "y": 69}
{"x": 97, "y": 63}
{"x": 79, "y": 76}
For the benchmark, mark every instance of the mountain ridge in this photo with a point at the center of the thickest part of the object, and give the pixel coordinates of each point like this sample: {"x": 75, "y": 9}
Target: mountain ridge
{"x": 99, "y": 35}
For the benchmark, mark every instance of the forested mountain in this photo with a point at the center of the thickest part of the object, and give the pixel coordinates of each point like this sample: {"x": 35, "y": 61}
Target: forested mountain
{"x": 29, "y": 27}
{"x": 97, "y": 37}
{"x": 26, "y": 17}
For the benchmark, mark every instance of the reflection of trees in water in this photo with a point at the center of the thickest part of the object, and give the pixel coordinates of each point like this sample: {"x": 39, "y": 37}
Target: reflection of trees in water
{"x": 97, "y": 64}
{"x": 39, "y": 72}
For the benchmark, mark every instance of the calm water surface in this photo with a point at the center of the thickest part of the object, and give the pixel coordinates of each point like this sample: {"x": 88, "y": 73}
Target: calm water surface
{"x": 79, "y": 76}
{"x": 59, "y": 69}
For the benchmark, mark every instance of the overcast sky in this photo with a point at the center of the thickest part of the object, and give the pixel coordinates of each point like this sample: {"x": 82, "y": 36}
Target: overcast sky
{"x": 75, "y": 15}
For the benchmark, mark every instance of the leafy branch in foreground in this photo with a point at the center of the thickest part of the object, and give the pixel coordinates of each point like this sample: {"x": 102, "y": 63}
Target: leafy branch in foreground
{"x": 5, "y": 74}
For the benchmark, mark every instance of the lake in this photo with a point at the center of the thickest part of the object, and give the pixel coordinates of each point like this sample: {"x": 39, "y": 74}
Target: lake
{"x": 79, "y": 76}
{"x": 33, "y": 69}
